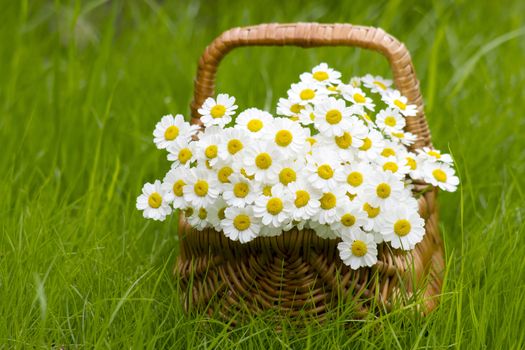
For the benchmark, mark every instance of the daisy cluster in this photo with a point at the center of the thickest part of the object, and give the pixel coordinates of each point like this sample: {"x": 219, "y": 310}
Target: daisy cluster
{"x": 334, "y": 160}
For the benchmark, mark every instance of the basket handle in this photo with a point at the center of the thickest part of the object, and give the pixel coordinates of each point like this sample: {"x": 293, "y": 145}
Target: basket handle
{"x": 313, "y": 35}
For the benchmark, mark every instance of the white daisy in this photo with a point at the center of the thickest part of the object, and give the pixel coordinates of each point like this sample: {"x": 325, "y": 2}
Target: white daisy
{"x": 395, "y": 100}
{"x": 240, "y": 191}
{"x": 374, "y": 216}
{"x": 372, "y": 146}
{"x": 288, "y": 136}
{"x": 207, "y": 147}
{"x": 234, "y": 142}
{"x": 382, "y": 189}
{"x": 414, "y": 164}
{"x": 377, "y": 83}
{"x": 432, "y": 154}
{"x": 269, "y": 231}
{"x": 199, "y": 219}
{"x": 394, "y": 165}
{"x": 202, "y": 187}
{"x": 358, "y": 249}
{"x": 261, "y": 160}
{"x": 181, "y": 153}
{"x": 351, "y": 177}
{"x": 306, "y": 116}
{"x": 305, "y": 200}
{"x": 215, "y": 213}
{"x": 223, "y": 170}
{"x": 240, "y": 225}
{"x": 402, "y": 227}
{"x": 289, "y": 108}
{"x": 274, "y": 210}
{"x": 321, "y": 167}
{"x": 254, "y": 121}
{"x": 173, "y": 186}
{"x": 406, "y": 138}
{"x": 350, "y": 216}
{"x": 358, "y": 98}
{"x": 332, "y": 117}
{"x": 322, "y": 74}
{"x": 303, "y": 93}
{"x": 441, "y": 175}
{"x": 289, "y": 172}
{"x": 218, "y": 112}
{"x": 172, "y": 128}
{"x": 391, "y": 120}
{"x": 152, "y": 202}
{"x": 329, "y": 200}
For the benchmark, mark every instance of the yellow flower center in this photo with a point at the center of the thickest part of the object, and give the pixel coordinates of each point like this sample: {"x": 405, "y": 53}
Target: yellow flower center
{"x": 402, "y": 227}
{"x": 354, "y": 179}
{"x": 402, "y": 106}
{"x": 184, "y": 155}
{"x": 283, "y": 138}
{"x": 367, "y": 143}
{"x": 234, "y": 146}
{"x": 267, "y": 190}
{"x": 223, "y": 175}
{"x": 200, "y": 188}
{"x": 287, "y": 175}
{"x": 211, "y": 151}
{"x": 387, "y": 152}
{"x": 439, "y": 175}
{"x": 203, "y": 214}
{"x": 328, "y": 201}
{"x": 383, "y": 190}
{"x": 351, "y": 196}
{"x": 171, "y": 133}
{"x": 254, "y": 125}
{"x": 390, "y": 121}
{"x": 177, "y": 188}
{"x": 296, "y": 108}
{"x": 348, "y": 220}
{"x": 241, "y": 222}
{"x": 207, "y": 163}
{"x": 241, "y": 189}
{"x": 332, "y": 88}
{"x": 358, "y": 98}
{"x": 333, "y": 116}
{"x": 307, "y": 94}
{"x": 301, "y": 198}
{"x": 325, "y": 171}
{"x": 399, "y": 135}
{"x": 188, "y": 212}
{"x": 344, "y": 141}
{"x": 221, "y": 213}
{"x": 263, "y": 161}
{"x": 311, "y": 140}
{"x": 434, "y": 154}
{"x": 320, "y": 75}
{"x": 155, "y": 200}
{"x": 411, "y": 162}
{"x": 274, "y": 206}
{"x": 218, "y": 111}
{"x": 371, "y": 211}
{"x": 380, "y": 85}
{"x": 390, "y": 166}
{"x": 245, "y": 174}
{"x": 359, "y": 248}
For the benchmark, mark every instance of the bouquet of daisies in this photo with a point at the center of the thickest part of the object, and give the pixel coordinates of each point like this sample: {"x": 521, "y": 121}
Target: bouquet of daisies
{"x": 335, "y": 161}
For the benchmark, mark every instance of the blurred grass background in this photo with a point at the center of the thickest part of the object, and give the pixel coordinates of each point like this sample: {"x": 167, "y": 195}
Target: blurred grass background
{"x": 82, "y": 84}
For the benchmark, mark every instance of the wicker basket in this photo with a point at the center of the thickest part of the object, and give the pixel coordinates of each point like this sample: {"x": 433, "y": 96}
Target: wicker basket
{"x": 299, "y": 273}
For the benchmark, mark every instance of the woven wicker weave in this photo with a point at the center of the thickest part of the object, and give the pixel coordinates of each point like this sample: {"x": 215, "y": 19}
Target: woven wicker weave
{"x": 298, "y": 272}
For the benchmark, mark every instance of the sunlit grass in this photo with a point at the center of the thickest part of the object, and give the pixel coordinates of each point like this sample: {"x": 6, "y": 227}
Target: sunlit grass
{"x": 82, "y": 85}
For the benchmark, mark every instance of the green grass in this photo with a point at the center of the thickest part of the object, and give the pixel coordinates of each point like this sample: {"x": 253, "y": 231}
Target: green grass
{"x": 82, "y": 85}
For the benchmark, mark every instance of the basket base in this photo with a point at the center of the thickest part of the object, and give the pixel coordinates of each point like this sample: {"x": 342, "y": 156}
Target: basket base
{"x": 300, "y": 274}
